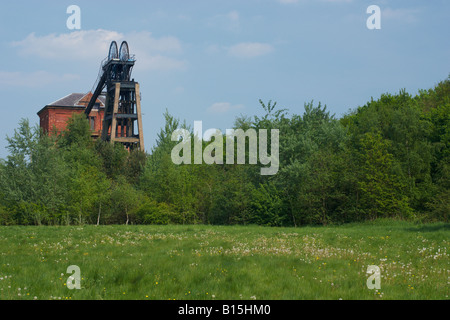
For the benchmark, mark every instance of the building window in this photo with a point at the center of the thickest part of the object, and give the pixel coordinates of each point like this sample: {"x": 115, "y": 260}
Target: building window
{"x": 92, "y": 123}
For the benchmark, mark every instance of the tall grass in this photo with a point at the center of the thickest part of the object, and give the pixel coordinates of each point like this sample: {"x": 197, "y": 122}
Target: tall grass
{"x": 232, "y": 262}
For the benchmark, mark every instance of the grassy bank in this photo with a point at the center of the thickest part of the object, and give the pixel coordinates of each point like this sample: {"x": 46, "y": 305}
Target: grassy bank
{"x": 232, "y": 262}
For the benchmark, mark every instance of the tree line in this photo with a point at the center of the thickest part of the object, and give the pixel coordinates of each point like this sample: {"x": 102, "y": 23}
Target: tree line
{"x": 387, "y": 159}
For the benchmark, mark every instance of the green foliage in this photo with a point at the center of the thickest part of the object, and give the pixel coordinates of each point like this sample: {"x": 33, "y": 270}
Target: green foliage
{"x": 113, "y": 158}
{"x": 387, "y": 159}
{"x": 266, "y": 206}
{"x": 63, "y": 179}
{"x": 151, "y": 212}
{"x": 380, "y": 189}
{"x": 124, "y": 200}
{"x": 77, "y": 132}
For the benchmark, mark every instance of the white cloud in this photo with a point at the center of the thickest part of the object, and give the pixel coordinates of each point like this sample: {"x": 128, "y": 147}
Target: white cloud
{"x": 93, "y": 45}
{"x": 288, "y": 1}
{"x": 250, "y": 49}
{"x": 233, "y": 16}
{"x": 228, "y": 21}
{"x": 145, "y": 40}
{"x": 404, "y": 15}
{"x": 337, "y": 1}
{"x": 213, "y": 49}
{"x": 223, "y": 107}
{"x": 178, "y": 90}
{"x": 78, "y": 45}
{"x": 34, "y": 79}
{"x": 159, "y": 62}
{"x": 297, "y": 1}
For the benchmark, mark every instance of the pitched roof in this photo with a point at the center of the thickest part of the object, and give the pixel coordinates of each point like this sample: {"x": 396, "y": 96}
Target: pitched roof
{"x": 76, "y": 100}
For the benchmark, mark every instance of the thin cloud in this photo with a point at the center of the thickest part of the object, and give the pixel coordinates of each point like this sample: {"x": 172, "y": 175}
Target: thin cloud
{"x": 404, "y": 15}
{"x": 77, "y": 45}
{"x": 288, "y": 1}
{"x": 228, "y": 21}
{"x": 36, "y": 79}
{"x": 338, "y": 1}
{"x": 178, "y": 90}
{"x": 93, "y": 45}
{"x": 297, "y": 1}
{"x": 223, "y": 107}
{"x": 250, "y": 49}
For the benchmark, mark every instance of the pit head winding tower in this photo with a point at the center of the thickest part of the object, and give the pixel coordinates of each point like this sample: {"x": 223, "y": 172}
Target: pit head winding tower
{"x": 122, "y": 120}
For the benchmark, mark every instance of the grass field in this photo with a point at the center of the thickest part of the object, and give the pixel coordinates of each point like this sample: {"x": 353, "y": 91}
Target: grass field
{"x": 226, "y": 262}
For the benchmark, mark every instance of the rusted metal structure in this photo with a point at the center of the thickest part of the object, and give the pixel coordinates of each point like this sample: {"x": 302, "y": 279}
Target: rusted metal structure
{"x": 122, "y": 120}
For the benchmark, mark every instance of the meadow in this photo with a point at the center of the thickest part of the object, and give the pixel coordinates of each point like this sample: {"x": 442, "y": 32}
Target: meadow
{"x": 225, "y": 262}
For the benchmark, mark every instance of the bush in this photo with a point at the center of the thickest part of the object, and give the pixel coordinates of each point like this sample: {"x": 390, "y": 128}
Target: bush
{"x": 6, "y": 218}
{"x": 152, "y": 212}
{"x": 267, "y": 206}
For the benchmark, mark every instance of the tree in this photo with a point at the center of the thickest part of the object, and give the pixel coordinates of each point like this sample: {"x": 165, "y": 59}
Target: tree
{"x": 266, "y": 206}
{"x": 113, "y": 158}
{"x": 312, "y": 148}
{"x": 32, "y": 176}
{"x": 125, "y": 199}
{"x": 381, "y": 194}
{"x": 77, "y": 132}
{"x": 400, "y": 120}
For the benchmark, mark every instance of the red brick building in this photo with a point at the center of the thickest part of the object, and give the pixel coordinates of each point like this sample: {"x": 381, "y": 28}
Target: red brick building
{"x": 56, "y": 114}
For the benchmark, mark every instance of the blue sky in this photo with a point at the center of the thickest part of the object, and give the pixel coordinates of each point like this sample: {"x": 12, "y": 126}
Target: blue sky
{"x": 213, "y": 60}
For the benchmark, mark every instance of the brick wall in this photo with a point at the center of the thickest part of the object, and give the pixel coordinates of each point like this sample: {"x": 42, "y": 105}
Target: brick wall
{"x": 56, "y": 117}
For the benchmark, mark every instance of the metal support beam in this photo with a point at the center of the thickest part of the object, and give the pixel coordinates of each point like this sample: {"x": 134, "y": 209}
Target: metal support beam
{"x": 115, "y": 110}
{"x": 139, "y": 116}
